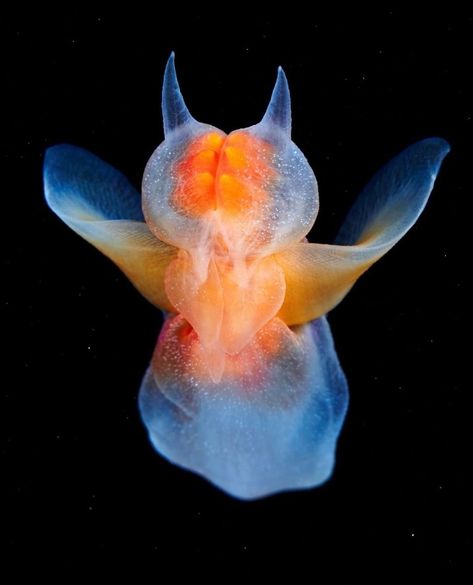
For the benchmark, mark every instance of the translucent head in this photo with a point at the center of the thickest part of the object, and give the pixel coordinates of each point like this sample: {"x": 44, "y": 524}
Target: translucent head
{"x": 251, "y": 192}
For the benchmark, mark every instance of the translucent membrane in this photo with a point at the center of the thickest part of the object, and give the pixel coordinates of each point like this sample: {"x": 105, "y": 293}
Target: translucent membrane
{"x": 270, "y": 424}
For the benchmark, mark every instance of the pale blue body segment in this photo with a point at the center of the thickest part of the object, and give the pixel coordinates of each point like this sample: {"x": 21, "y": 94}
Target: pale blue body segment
{"x": 251, "y": 447}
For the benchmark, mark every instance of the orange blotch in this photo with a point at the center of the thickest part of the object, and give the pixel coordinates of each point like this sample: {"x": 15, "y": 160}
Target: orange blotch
{"x": 186, "y": 334}
{"x": 196, "y": 195}
{"x": 233, "y": 194}
{"x": 235, "y": 157}
{"x": 205, "y": 160}
{"x": 212, "y": 140}
{"x": 229, "y": 173}
{"x": 255, "y": 149}
{"x": 195, "y": 189}
{"x": 244, "y": 173}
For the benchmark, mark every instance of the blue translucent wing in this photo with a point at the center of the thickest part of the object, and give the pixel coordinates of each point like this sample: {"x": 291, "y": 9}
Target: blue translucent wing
{"x": 318, "y": 276}
{"x": 79, "y": 184}
{"x": 392, "y": 201}
{"x": 99, "y": 203}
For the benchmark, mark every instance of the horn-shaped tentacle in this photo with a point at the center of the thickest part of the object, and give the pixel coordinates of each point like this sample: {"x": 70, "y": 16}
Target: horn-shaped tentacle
{"x": 175, "y": 112}
{"x": 279, "y": 108}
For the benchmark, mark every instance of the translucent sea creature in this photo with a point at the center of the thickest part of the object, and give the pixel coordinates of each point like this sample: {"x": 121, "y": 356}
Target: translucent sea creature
{"x": 244, "y": 386}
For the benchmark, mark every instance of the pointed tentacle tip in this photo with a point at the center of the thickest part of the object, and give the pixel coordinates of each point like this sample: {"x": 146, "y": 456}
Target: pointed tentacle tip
{"x": 175, "y": 111}
{"x": 439, "y": 148}
{"x": 279, "y": 108}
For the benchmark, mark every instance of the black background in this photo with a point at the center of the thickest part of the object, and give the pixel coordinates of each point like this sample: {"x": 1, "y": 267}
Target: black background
{"x": 81, "y": 478}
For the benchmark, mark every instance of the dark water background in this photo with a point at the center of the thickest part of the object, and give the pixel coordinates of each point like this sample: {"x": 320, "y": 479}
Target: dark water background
{"x": 80, "y": 477}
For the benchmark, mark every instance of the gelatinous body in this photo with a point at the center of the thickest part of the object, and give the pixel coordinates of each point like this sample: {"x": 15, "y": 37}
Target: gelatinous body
{"x": 270, "y": 424}
{"x": 244, "y": 387}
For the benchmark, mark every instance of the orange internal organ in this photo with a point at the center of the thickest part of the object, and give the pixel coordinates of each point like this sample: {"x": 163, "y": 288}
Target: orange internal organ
{"x": 194, "y": 192}
{"x": 226, "y": 173}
